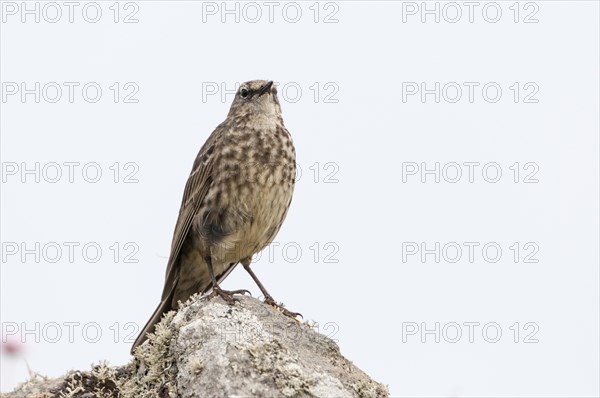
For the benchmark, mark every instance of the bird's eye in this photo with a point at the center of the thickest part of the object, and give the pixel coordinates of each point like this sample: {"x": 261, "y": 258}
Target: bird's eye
{"x": 244, "y": 93}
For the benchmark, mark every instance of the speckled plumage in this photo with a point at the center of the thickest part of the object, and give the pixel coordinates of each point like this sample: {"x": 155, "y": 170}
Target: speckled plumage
{"x": 235, "y": 199}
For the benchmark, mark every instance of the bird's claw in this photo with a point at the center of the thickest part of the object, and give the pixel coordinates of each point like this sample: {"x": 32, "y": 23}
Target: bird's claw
{"x": 227, "y": 295}
{"x": 285, "y": 311}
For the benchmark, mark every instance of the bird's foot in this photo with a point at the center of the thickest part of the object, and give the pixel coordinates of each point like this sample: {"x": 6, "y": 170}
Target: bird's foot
{"x": 269, "y": 300}
{"x": 227, "y": 295}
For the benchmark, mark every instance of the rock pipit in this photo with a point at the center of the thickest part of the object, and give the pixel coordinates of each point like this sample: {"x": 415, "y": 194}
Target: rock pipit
{"x": 234, "y": 201}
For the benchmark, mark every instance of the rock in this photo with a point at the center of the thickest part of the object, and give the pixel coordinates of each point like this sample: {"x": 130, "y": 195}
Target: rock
{"x": 212, "y": 349}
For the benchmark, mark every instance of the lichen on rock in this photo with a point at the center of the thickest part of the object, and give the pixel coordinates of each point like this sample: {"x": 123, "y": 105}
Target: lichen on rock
{"x": 212, "y": 349}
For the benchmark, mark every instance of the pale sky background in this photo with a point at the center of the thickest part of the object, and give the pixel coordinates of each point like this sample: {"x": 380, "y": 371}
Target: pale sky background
{"x": 344, "y": 89}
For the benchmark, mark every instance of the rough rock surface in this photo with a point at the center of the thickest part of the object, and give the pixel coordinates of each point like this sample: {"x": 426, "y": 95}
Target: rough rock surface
{"x": 212, "y": 349}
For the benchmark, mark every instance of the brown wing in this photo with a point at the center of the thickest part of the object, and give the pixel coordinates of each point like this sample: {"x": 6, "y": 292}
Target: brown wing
{"x": 197, "y": 186}
{"x": 194, "y": 193}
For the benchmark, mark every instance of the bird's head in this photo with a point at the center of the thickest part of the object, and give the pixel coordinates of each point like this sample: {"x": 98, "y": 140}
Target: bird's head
{"x": 258, "y": 97}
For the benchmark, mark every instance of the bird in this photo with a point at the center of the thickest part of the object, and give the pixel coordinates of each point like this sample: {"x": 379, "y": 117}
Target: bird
{"x": 234, "y": 202}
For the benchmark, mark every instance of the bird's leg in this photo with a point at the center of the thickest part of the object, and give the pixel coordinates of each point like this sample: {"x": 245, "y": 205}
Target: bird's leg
{"x": 268, "y": 298}
{"x": 226, "y": 295}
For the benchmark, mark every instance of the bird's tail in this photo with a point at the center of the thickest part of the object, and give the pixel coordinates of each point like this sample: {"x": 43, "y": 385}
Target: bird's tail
{"x": 164, "y": 307}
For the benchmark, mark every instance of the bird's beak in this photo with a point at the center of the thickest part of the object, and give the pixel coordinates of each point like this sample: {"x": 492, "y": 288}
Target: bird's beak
{"x": 266, "y": 87}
